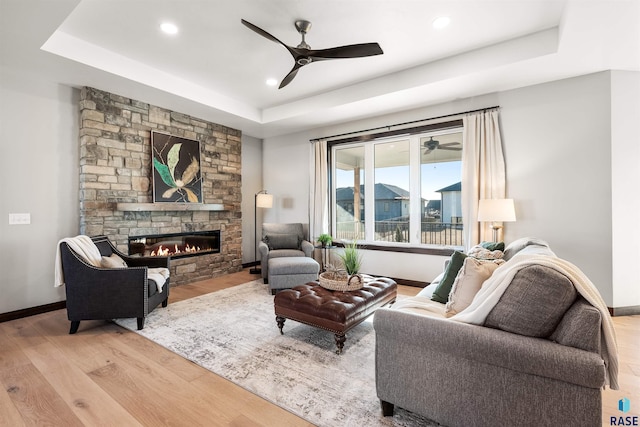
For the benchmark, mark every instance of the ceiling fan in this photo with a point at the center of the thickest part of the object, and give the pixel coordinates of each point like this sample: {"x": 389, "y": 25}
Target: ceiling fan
{"x": 303, "y": 54}
{"x": 432, "y": 145}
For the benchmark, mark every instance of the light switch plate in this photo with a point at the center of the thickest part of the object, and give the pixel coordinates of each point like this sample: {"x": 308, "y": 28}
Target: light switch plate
{"x": 19, "y": 218}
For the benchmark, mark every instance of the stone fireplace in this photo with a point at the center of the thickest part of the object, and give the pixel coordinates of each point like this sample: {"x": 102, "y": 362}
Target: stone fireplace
{"x": 116, "y": 189}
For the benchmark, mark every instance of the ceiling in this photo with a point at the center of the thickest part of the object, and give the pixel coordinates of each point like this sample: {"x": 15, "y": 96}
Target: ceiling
{"x": 215, "y": 68}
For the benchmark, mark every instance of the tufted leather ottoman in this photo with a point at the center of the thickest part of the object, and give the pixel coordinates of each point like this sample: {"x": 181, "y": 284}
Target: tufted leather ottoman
{"x": 334, "y": 311}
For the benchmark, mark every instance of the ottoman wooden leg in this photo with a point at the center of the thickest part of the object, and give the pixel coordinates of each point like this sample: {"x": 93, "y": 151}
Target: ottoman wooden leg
{"x": 280, "y": 321}
{"x": 340, "y": 339}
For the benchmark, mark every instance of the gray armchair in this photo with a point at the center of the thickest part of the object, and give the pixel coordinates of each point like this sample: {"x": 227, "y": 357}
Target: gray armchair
{"x": 283, "y": 240}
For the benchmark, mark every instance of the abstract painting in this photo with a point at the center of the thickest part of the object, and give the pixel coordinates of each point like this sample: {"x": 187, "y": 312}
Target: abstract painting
{"x": 176, "y": 169}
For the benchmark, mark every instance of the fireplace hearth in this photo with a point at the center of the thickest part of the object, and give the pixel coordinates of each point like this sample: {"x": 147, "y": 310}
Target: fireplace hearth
{"x": 176, "y": 245}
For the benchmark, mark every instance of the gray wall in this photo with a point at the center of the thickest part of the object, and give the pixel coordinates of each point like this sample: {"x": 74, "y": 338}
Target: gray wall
{"x": 558, "y": 148}
{"x": 38, "y": 175}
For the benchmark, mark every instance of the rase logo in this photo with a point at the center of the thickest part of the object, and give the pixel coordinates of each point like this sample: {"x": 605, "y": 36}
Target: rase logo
{"x": 624, "y": 406}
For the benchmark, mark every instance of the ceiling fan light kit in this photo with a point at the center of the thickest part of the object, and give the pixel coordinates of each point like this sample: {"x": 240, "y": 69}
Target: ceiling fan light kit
{"x": 304, "y": 55}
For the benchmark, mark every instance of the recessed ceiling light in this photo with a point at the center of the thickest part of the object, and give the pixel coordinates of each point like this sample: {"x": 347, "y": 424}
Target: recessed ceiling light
{"x": 169, "y": 28}
{"x": 271, "y": 82}
{"x": 441, "y": 22}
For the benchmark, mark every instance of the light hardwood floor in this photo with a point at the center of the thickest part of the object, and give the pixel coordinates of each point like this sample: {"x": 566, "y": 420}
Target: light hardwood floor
{"x": 106, "y": 375}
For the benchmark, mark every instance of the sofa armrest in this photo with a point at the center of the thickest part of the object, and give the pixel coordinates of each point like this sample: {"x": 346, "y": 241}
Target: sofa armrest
{"x": 263, "y": 248}
{"x": 452, "y": 339}
{"x": 307, "y": 247}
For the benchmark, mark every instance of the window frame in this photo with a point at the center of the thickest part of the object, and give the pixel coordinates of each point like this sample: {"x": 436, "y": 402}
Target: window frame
{"x": 368, "y": 142}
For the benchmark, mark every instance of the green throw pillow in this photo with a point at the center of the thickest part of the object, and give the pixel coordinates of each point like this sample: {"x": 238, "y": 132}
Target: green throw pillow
{"x": 493, "y": 246}
{"x": 441, "y": 293}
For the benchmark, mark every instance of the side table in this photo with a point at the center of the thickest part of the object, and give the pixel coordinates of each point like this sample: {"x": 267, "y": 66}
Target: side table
{"x": 326, "y": 255}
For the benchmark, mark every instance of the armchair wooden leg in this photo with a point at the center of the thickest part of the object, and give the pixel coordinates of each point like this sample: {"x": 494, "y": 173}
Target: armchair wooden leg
{"x": 140, "y": 323}
{"x": 74, "y": 327}
{"x": 387, "y": 408}
{"x": 165, "y": 302}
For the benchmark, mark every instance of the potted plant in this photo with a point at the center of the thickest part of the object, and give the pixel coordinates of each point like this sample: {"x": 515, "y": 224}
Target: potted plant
{"x": 346, "y": 278}
{"x": 351, "y": 258}
{"x": 325, "y": 239}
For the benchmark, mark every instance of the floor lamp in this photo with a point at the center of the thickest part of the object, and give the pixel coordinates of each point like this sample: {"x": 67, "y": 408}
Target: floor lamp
{"x": 262, "y": 200}
{"x": 494, "y": 211}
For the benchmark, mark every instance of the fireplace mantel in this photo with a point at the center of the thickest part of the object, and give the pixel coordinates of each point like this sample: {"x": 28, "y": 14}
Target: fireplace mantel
{"x": 169, "y": 207}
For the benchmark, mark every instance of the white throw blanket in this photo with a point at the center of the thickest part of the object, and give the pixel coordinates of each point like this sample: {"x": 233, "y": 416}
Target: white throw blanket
{"x": 84, "y": 246}
{"x": 494, "y": 287}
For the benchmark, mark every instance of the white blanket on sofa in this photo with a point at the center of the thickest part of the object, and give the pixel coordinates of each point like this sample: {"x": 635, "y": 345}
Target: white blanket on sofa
{"x": 494, "y": 287}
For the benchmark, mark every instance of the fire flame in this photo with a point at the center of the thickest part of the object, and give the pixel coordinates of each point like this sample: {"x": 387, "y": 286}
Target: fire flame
{"x": 161, "y": 251}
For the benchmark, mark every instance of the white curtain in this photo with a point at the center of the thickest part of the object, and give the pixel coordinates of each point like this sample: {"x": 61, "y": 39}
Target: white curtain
{"x": 318, "y": 192}
{"x": 483, "y": 171}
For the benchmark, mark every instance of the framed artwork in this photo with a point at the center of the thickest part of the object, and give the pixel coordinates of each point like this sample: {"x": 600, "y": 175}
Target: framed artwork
{"x": 176, "y": 169}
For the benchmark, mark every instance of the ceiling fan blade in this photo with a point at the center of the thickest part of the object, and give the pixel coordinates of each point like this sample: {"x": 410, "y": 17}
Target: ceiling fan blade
{"x": 350, "y": 51}
{"x": 266, "y": 35}
{"x": 450, "y": 148}
{"x": 287, "y": 79}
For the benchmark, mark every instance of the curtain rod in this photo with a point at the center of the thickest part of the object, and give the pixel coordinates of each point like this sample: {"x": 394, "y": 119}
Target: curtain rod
{"x": 404, "y": 124}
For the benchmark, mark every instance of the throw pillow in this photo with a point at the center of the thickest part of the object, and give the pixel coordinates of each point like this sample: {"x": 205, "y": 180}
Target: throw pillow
{"x": 534, "y": 302}
{"x": 493, "y": 246}
{"x": 282, "y": 241}
{"x": 441, "y": 293}
{"x": 113, "y": 261}
{"x": 519, "y": 244}
{"x": 468, "y": 282}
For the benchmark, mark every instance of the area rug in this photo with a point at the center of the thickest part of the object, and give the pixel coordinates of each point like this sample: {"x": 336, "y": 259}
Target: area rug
{"x": 233, "y": 333}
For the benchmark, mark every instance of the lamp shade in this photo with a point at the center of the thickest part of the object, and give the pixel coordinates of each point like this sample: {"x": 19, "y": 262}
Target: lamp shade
{"x": 264, "y": 200}
{"x": 496, "y": 210}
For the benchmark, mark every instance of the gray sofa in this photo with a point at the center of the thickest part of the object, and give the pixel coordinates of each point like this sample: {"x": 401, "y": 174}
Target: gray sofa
{"x": 283, "y": 240}
{"x": 534, "y": 362}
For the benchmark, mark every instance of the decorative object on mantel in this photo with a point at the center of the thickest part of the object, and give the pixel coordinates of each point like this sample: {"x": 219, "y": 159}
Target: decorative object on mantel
{"x": 495, "y": 211}
{"x": 262, "y": 200}
{"x": 176, "y": 169}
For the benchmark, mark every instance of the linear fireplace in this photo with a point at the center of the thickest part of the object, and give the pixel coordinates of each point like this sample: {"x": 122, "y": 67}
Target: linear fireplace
{"x": 176, "y": 245}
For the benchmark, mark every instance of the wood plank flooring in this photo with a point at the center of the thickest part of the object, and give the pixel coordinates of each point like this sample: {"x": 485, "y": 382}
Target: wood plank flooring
{"x": 107, "y": 376}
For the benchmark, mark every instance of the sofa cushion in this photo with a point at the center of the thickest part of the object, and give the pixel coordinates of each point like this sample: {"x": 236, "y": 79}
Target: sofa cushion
{"x": 519, "y": 244}
{"x": 112, "y": 261}
{"x": 534, "y": 302}
{"x": 441, "y": 293}
{"x": 282, "y": 241}
{"x": 580, "y": 327}
{"x": 468, "y": 282}
{"x": 493, "y": 246}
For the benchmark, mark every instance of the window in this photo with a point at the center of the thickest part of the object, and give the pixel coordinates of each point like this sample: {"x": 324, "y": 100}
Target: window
{"x": 399, "y": 190}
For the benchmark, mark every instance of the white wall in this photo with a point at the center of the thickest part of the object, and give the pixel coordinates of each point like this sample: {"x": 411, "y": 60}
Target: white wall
{"x": 38, "y": 175}
{"x": 286, "y": 176}
{"x": 251, "y": 184}
{"x": 557, "y": 140}
{"x": 625, "y": 185}
{"x": 558, "y": 148}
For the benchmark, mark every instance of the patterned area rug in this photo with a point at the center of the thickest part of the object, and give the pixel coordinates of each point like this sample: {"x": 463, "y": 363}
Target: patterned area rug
{"x": 233, "y": 333}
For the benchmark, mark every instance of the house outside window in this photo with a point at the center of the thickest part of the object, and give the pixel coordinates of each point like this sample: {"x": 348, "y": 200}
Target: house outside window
{"x": 399, "y": 190}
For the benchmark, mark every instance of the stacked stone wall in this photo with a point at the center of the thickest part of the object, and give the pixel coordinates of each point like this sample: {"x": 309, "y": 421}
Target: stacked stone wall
{"x": 115, "y": 167}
